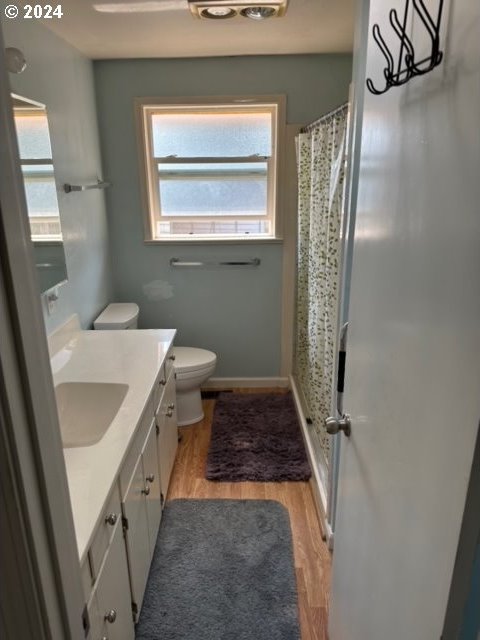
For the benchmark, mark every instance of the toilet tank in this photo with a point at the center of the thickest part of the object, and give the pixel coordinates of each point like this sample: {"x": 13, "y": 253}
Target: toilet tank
{"x": 118, "y": 315}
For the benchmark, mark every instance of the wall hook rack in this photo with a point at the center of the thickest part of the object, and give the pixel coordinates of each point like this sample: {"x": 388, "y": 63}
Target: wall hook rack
{"x": 407, "y": 65}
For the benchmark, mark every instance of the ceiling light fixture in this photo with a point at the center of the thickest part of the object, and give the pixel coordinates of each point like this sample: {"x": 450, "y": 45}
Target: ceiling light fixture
{"x": 218, "y": 13}
{"x": 258, "y": 13}
{"x": 221, "y": 9}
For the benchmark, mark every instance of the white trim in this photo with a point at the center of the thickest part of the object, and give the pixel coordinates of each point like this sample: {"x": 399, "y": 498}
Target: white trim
{"x": 145, "y": 107}
{"x": 242, "y": 383}
{"x": 318, "y": 489}
{"x": 224, "y": 240}
{"x": 289, "y": 207}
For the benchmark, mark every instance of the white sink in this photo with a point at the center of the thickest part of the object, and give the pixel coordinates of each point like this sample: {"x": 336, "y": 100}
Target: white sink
{"x": 87, "y": 409}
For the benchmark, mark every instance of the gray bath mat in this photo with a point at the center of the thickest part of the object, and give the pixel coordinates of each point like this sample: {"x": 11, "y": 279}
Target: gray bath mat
{"x": 256, "y": 437}
{"x": 222, "y": 570}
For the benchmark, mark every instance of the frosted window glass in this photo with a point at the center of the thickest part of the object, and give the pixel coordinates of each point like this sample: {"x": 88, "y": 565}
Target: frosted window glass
{"x": 33, "y": 137}
{"x": 40, "y": 190}
{"x": 212, "y": 134}
{"x": 210, "y": 197}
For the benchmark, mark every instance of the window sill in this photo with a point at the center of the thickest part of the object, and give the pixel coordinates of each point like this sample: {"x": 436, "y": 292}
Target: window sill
{"x": 38, "y": 242}
{"x": 213, "y": 241}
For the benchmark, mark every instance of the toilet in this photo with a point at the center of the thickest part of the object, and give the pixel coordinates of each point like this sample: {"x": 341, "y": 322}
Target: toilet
{"x": 193, "y": 366}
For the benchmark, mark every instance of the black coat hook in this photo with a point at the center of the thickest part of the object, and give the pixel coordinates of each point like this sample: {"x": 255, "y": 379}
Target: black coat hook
{"x": 407, "y": 65}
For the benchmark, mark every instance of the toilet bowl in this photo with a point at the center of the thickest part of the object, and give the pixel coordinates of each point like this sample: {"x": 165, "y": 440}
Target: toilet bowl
{"x": 192, "y": 368}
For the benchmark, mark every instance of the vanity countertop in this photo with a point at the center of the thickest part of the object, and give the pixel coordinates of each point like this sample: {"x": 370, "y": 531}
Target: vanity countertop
{"x": 127, "y": 357}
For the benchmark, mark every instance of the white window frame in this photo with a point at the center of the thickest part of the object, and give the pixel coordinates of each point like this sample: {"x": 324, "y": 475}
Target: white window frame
{"x": 145, "y": 108}
{"x": 39, "y": 110}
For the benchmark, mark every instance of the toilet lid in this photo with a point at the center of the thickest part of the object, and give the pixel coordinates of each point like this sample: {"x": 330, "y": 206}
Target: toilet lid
{"x": 191, "y": 358}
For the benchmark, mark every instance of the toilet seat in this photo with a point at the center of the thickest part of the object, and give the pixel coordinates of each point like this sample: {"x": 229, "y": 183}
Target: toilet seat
{"x": 192, "y": 360}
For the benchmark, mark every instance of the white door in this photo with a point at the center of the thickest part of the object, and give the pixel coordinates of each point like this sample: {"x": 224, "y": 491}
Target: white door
{"x": 413, "y": 371}
{"x": 153, "y": 501}
{"x": 168, "y": 434}
{"x": 113, "y": 593}
{"x": 137, "y": 534}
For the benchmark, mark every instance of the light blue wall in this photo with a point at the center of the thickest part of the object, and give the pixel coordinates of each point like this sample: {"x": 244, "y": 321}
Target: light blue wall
{"x": 58, "y": 76}
{"x": 236, "y": 313}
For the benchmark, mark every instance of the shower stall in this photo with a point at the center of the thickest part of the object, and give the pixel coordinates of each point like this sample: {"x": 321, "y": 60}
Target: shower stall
{"x": 321, "y": 166}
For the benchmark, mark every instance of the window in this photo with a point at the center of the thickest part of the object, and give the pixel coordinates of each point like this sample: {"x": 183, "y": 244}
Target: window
{"x": 36, "y": 161}
{"x": 210, "y": 170}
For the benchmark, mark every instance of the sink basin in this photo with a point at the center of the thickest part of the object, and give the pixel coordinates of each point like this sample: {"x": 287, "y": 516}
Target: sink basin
{"x": 86, "y": 410}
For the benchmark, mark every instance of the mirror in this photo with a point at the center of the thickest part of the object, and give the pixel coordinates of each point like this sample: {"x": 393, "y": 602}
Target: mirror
{"x": 33, "y": 137}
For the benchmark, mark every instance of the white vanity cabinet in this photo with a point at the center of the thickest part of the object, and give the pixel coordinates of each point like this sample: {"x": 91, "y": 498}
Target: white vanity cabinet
{"x": 116, "y": 567}
{"x": 144, "y": 489}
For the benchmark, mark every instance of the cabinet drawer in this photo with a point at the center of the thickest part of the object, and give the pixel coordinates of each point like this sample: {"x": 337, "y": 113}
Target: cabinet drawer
{"x": 105, "y": 530}
{"x": 169, "y": 363}
{"x": 159, "y": 389}
{"x": 136, "y": 447}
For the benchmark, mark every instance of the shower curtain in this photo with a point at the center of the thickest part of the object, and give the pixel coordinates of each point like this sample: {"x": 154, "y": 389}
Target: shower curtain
{"x": 321, "y": 170}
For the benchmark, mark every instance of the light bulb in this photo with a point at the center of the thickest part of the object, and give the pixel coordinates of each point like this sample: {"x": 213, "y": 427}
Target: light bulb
{"x": 258, "y": 13}
{"x": 218, "y": 13}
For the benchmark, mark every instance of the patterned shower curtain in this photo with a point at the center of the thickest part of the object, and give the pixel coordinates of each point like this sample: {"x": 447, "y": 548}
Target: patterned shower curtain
{"x": 321, "y": 170}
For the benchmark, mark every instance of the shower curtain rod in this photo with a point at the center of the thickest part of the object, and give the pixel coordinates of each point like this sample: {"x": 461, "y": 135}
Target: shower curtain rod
{"x": 313, "y": 124}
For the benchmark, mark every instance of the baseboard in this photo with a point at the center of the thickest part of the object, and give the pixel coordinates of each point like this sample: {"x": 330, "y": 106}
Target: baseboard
{"x": 318, "y": 489}
{"x": 232, "y": 383}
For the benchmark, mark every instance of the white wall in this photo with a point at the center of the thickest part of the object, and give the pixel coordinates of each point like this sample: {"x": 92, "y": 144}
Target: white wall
{"x": 61, "y": 78}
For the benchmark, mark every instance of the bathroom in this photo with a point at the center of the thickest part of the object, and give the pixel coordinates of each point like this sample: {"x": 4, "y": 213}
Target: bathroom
{"x": 245, "y": 314}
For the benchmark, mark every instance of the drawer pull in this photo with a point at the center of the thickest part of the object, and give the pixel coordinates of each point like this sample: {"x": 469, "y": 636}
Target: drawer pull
{"x": 169, "y": 413}
{"x": 111, "y": 616}
{"x": 171, "y": 406}
{"x": 172, "y": 357}
{"x": 150, "y": 478}
{"x": 163, "y": 382}
{"x": 111, "y": 519}
{"x": 146, "y": 491}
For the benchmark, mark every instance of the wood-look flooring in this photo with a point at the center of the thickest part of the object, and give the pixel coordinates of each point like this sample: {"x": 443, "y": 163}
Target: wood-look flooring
{"x": 312, "y": 558}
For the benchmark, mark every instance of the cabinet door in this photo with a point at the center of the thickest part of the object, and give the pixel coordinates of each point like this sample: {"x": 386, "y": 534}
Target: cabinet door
{"x": 113, "y": 593}
{"x": 152, "y": 486}
{"x": 168, "y": 433}
{"x": 136, "y": 535}
{"x": 96, "y": 621}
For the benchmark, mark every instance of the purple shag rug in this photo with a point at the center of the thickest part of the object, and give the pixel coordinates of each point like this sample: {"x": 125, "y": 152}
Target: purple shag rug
{"x": 256, "y": 437}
